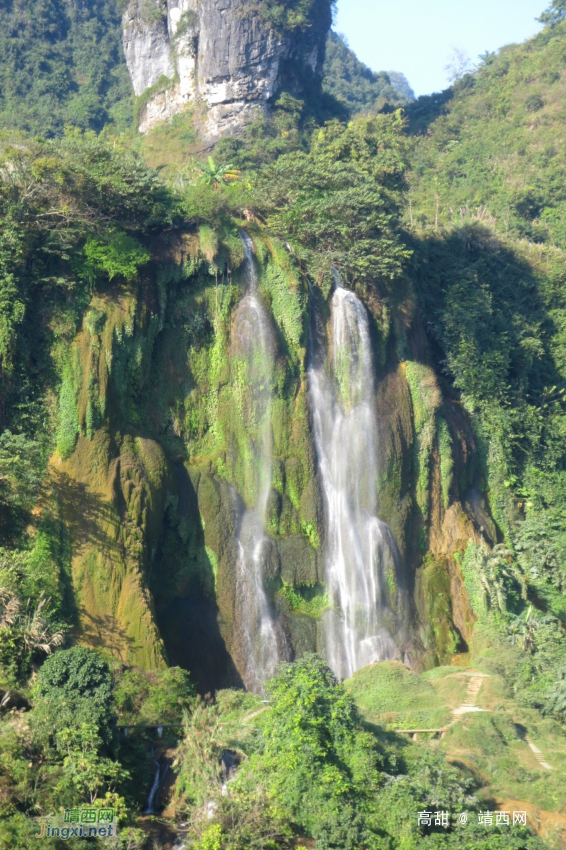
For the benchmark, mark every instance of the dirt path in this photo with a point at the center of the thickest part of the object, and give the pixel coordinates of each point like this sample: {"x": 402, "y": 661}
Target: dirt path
{"x": 474, "y": 687}
{"x": 538, "y": 755}
{"x": 469, "y": 705}
{"x": 255, "y": 713}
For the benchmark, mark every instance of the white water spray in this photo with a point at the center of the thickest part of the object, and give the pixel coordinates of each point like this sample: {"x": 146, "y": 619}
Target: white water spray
{"x": 260, "y": 640}
{"x": 359, "y": 548}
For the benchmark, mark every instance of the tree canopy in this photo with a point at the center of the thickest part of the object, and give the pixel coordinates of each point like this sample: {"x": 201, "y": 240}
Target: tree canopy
{"x": 62, "y": 63}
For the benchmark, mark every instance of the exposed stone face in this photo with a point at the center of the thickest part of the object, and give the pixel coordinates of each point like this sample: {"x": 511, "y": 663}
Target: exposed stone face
{"x": 215, "y": 52}
{"x": 146, "y": 45}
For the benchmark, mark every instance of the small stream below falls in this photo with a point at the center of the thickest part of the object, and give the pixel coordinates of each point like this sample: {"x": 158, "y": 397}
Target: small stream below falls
{"x": 360, "y": 549}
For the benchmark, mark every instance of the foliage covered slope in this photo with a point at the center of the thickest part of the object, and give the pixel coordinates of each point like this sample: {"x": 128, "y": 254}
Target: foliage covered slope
{"x": 62, "y": 63}
{"x": 355, "y": 85}
{"x": 124, "y": 446}
{"x": 486, "y": 199}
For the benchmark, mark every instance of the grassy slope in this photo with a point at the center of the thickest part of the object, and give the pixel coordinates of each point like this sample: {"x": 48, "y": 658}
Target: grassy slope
{"x": 490, "y": 744}
{"x": 497, "y": 149}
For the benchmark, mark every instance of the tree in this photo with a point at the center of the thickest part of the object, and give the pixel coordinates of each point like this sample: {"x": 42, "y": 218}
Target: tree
{"x": 77, "y": 673}
{"x": 458, "y": 65}
{"x": 72, "y": 721}
{"x": 337, "y": 205}
{"x": 74, "y": 686}
{"x": 316, "y": 759}
{"x": 25, "y": 634}
{"x": 523, "y": 628}
{"x": 86, "y": 769}
{"x": 20, "y": 470}
{"x": 555, "y": 13}
{"x": 217, "y": 175}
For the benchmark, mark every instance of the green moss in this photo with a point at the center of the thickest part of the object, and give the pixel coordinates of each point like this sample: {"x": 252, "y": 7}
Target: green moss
{"x": 446, "y": 458}
{"x": 288, "y": 306}
{"x": 309, "y": 600}
{"x": 311, "y": 533}
{"x": 163, "y": 84}
{"x": 435, "y": 607}
{"x": 213, "y": 562}
{"x": 425, "y": 398}
{"x": 68, "y": 426}
{"x": 392, "y": 585}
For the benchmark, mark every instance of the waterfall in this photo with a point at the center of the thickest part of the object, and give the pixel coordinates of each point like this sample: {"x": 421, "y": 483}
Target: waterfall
{"x": 260, "y": 639}
{"x": 359, "y": 548}
{"x": 148, "y": 810}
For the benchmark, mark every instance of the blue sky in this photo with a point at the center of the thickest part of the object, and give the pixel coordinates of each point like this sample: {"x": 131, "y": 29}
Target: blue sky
{"x": 418, "y": 37}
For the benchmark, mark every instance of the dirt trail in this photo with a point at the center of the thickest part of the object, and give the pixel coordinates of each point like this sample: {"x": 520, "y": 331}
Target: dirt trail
{"x": 474, "y": 687}
{"x": 538, "y": 755}
{"x": 254, "y": 714}
{"x": 469, "y": 705}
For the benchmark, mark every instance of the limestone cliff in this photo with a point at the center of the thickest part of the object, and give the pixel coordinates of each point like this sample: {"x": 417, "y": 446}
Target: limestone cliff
{"x": 219, "y": 55}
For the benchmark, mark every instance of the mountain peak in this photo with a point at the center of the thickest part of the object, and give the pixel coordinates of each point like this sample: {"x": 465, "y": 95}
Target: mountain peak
{"x": 227, "y": 56}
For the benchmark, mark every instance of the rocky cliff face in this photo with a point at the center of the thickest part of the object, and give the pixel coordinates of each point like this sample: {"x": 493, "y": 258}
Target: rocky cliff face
{"x": 165, "y": 471}
{"x": 217, "y": 54}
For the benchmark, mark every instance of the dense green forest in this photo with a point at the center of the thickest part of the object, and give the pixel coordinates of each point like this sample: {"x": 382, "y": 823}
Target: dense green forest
{"x": 486, "y": 194}
{"x": 62, "y": 63}
{"x": 355, "y": 85}
{"x": 449, "y": 213}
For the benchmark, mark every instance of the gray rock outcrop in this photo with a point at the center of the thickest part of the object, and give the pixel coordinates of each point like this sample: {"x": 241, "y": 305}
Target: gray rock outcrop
{"x": 218, "y": 55}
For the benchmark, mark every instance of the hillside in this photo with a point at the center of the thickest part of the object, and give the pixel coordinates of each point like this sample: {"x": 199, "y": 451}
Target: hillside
{"x": 358, "y": 87}
{"x": 282, "y": 419}
{"x": 472, "y": 718}
{"x": 496, "y": 143}
{"x": 62, "y": 63}
{"x": 486, "y": 209}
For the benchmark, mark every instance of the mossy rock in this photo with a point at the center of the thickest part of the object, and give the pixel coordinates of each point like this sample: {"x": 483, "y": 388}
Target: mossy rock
{"x": 303, "y": 632}
{"x": 312, "y": 511}
{"x": 112, "y": 494}
{"x": 298, "y": 560}
{"x": 395, "y": 447}
{"x": 434, "y": 604}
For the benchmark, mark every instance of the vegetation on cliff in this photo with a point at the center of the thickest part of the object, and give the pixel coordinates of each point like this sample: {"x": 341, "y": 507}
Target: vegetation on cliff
{"x": 486, "y": 189}
{"x": 294, "y": 15}
{"x": 126, "y": 448}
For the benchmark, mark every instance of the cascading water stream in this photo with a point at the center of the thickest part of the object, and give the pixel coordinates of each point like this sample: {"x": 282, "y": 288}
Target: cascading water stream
{"x": 148, "y": 810}
{"x": 359, "y": 549}
{"x": 260, "y": 639}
